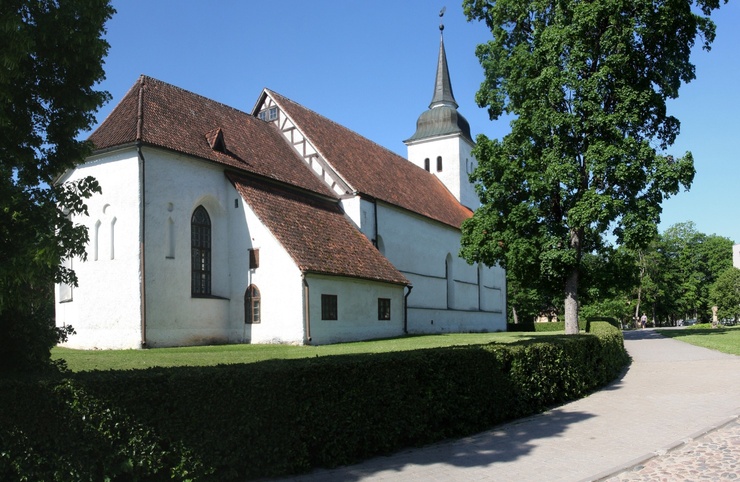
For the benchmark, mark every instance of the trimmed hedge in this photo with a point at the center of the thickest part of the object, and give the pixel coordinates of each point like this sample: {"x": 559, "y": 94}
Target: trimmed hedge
{"x": 281, "y": 417}
{"x": 551, "y": 326}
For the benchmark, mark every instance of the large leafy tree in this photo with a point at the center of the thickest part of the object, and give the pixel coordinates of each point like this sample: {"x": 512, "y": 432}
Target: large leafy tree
{"x": 51, "y": 58}
{"x": 586, "y": 83}
{"x": 725, "y": 294}
{"x": 696, "y": 261}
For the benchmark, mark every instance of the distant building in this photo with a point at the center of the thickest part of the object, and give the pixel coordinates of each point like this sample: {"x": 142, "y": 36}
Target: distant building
{"x": 275, "y": 226}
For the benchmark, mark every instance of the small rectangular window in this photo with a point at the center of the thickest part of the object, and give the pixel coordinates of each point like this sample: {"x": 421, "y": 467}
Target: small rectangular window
{"x": 254, "y": 258}
{"x": 439, "y": 163}
{"x": 273, "y": 113}
{"x": 384, "y": 308}
{"x": 426, "y": 164}
{"x": 329, "y": 307}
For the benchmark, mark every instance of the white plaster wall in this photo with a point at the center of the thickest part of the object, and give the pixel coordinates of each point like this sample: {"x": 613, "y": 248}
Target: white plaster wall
{"x": 419, "y": 247}
{"x": 175, "y": 186}
{"x": 457, "y": 164}
{"x": 174, "y": 317}
{"x": 736, "y": 255}
{"x": 105, "y": 307}
{"x": 277, "y": 278}
{"x": 357, "y": 309}
{"x": 362, "y": 214}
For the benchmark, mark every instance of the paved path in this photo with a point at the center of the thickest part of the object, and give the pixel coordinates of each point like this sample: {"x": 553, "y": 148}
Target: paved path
{"x": 672, "y": 416}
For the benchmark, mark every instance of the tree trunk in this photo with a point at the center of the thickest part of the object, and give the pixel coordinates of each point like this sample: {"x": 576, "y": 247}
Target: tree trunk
{"x": 571, "y": 286}
{"x": 516, "y": 317}
{"x": 571, "y": 303}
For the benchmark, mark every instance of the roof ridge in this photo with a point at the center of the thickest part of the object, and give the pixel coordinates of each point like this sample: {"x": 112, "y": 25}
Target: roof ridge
{"x": 340, "y": 125}
{"x": 195, "y": 94}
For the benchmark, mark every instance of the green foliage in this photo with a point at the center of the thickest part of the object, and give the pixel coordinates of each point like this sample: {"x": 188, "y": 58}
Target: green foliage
{"x": 51, "y": 59}
{"x": 725, "y": 294}
{"x": 549, "y": 327}
{"x": 281, "y": 417}
{"x": 587, "y": 85}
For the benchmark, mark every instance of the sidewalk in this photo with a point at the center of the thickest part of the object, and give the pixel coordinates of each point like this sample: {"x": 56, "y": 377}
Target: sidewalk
{"x": 672, "y": 393}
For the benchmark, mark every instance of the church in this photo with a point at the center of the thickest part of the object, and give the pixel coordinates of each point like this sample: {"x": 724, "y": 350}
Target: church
{"x": 275, "y": 226}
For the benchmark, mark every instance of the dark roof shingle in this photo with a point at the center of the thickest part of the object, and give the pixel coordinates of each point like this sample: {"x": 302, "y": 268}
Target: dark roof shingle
{"x": 315, "y": 233}
{"x": 162, "y": 115}
{"x": 374, "y": 170}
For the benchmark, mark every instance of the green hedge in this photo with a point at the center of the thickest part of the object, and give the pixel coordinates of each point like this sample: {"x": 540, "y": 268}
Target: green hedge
{"x": 552, "y": 326}
{"x": 236, "y": 422}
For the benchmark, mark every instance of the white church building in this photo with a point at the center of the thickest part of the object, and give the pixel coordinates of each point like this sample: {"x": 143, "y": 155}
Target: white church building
{"x": 275, "y": 226}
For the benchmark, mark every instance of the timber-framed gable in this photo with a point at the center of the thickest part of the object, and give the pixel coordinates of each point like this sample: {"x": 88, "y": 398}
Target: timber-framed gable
{"x": 268, "y": 110}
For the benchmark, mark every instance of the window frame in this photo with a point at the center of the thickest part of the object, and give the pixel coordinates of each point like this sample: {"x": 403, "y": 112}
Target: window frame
{"x": 201, "y": 273}
{"x": 329, "y": 307}
{"x": 384, "y": 309}
{"x": 252, "y": 304}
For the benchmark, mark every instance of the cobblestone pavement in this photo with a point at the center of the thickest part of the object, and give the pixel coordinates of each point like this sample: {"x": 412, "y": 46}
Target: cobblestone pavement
{"x": 714, "y": 457}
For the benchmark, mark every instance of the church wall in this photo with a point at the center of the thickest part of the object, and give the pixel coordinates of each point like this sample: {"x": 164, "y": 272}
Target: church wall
{"x": 174, "y": 317}
{"x": 357, "y": 309}
{"x": 277, "y": 278}
{"x": 449, "y": 294}
{"x": 105, "y": 308}
{"x": 362, "y": 213}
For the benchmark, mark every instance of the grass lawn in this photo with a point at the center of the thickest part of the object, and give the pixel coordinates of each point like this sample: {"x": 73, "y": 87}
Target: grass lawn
{"x": 725, "y": 339}
{"x": 83, "y": 360}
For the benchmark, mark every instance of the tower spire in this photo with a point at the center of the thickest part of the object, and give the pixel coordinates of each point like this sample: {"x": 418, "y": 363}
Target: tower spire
{"x": 442, "y": 85}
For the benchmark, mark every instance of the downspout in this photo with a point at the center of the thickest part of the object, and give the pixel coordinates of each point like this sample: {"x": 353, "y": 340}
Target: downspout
{"x": 375, "y": 213}
{"x": 142, "y": 213}
{"x": 406, "y": 310}
{"x": 142, "y": 252}
{"x": 307, "y": 308}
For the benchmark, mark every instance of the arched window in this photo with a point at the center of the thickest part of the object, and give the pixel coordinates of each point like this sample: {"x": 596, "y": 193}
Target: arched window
{"x": 426, "y": 163}
{"x": 439, "y": 163}
{"x": 252, "y": 305}
{"x": 200, "y": 243}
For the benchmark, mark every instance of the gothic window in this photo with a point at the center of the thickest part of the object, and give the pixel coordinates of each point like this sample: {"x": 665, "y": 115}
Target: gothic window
{"x": 200, "y": 242}
{"x": 439, "y": 163}
{"x": 384, "y": 308}
{"x": 329, "y": 307}
{"x": 426, "y": 164}
{"x": 252, "y": 305}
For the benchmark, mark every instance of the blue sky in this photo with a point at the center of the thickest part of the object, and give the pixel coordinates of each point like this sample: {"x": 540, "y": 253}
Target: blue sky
{"x": 370, "y": 65}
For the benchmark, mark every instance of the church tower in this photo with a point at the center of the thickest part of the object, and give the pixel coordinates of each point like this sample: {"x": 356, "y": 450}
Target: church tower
{"x": 442, "y": 143}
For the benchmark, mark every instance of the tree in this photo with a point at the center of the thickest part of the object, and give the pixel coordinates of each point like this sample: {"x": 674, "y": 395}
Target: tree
{"x": 725, "y": 294}
{"x": 52, "y": 57}
{"x": 586, "y": 84}
{"x": 696, "y": 260}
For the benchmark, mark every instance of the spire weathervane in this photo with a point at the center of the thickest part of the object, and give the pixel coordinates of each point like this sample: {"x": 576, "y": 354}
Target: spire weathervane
{"x": 441, "y": 14}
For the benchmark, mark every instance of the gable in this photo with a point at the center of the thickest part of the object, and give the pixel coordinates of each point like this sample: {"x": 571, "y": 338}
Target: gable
{"x": 158, "y": 114}
{"x": 368, "y": 168}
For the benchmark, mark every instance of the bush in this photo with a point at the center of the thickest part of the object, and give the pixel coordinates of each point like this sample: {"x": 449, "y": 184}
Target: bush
{"x": 281, "y": 417}
{"x": 551, "y": 326}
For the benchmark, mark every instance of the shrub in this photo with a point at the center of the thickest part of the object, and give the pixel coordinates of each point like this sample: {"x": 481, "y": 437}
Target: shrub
{"x": 280, "y": 417}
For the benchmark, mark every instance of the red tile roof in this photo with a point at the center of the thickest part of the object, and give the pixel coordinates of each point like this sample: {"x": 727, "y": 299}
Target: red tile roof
{"x": 162, "y": 115}
{"x": 374, "y": 170}
{"x": 315, "y": 232}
